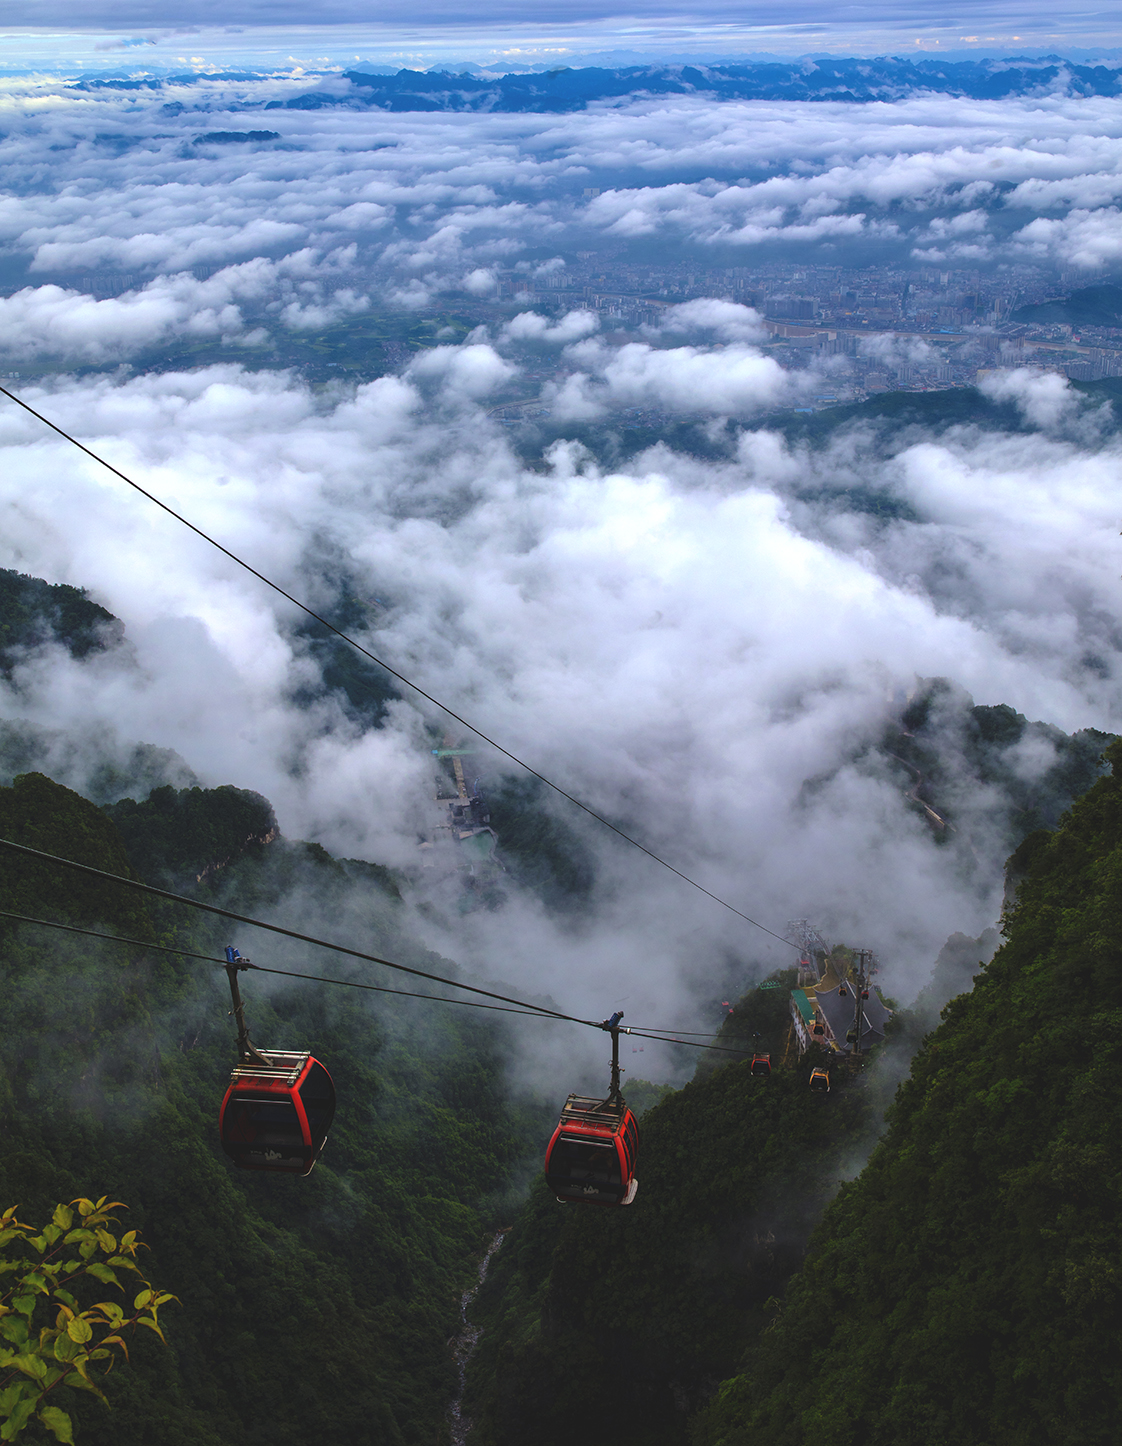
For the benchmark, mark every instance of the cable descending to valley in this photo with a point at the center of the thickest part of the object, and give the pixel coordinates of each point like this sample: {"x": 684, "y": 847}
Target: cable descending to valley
{"x": 525, "y": 1009}
{"x": 401, "y": 678}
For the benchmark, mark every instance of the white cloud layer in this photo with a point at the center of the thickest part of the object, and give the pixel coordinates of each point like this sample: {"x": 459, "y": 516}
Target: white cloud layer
{"x": 684, "y": 645}
{"x": 297, "y": 291}
{"x": 695, "y": 648}
{"x": 734, "y": 381}
{"x": 95, "y": 181}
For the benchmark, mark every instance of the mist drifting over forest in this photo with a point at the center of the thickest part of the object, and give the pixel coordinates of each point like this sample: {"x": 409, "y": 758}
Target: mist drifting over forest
{"x": 706, "y": 642}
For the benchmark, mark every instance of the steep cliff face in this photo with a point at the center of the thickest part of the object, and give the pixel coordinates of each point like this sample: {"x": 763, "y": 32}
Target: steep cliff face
{"x": 966, "y": 1287}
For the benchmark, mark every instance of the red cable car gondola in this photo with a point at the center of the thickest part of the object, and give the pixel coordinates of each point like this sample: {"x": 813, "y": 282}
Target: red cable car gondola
{"x": 279, "y": 1105}
{"x": 277, "y": 1118}
{"x": 592, "y": 1156}
{"x": 593, "y": 1153}
{"x": 761, "y": 1065}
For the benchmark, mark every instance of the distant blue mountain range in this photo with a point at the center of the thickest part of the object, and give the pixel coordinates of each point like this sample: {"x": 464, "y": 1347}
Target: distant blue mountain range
{"x": 563, "y": 90}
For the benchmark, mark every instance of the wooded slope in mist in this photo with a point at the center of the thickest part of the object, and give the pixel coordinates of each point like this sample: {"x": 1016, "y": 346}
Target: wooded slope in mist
{"x": 966, "y": 1287}
{"x": 314, "y": 1309}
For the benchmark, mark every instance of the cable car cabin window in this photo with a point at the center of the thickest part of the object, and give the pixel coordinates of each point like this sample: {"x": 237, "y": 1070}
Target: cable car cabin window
{"x": 264, "y": 1133}
{"x": 317, "y": 1094}
{"x": 584, "y": 1167}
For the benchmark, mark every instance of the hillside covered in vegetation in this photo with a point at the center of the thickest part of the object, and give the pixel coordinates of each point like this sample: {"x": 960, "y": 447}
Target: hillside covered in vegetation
{"x": 626, "y": 1320}
{"x": 964, "y": 1287}
{"x": 955, "y": 1287}
{"x": 310, "y": 1309}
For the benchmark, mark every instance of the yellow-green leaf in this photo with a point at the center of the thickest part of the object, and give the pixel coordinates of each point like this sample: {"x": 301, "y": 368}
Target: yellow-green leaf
{"x": 58, "y": 1422}
{"x": 15, "y": 1423}
{"x": 11, "y": 1394}
{"x": 78, "y": 1381}
{"x": 66, "y": 1349}
{"x": 63, "y": 1217}
{"x": 30, "y": 1366}
{"x": 79, "y": 1329}
{"x": 142, "y": 1299}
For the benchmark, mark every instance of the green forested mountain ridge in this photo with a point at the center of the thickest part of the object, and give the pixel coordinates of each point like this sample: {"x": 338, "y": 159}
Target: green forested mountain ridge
{"x": 946, "y": 750}
{"x": 192, "y": 832}
{"x": 966, "y": 1287}
{"x": 963, "y": 1289}
{"x": 958, "y": 765}
{"x": 33, "y": 611}
{"x": 321, "y": 1309}
{"x": 1090, "y": 306}
{"x": 41, "y": 815}
{"x": 313, "y": 1309}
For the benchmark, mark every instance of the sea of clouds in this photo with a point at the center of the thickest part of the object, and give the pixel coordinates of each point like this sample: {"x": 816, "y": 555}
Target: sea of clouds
{"x": 694, "y": 648}
{"x": 100, "y": 180}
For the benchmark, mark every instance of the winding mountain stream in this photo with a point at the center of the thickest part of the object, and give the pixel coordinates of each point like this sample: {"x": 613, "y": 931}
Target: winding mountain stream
{"x": 463, "y": 1346}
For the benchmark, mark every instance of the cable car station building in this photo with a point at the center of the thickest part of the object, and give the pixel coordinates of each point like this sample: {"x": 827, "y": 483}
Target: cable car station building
{"x": 823, "y": 1011}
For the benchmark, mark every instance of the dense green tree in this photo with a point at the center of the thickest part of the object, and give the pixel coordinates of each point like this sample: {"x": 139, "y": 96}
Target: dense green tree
{"x": 43, "y": 815}
{"x": 174, "y": 835}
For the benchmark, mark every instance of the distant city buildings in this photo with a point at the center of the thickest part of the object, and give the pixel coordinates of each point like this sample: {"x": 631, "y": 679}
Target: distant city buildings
{"x": 867, "y": 329}
{"x": 949, "y": 325}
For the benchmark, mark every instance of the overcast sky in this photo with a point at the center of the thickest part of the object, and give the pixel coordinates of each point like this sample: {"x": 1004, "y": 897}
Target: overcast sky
{"x": 1005, "y": 16}
{"x": 564, "y": 31}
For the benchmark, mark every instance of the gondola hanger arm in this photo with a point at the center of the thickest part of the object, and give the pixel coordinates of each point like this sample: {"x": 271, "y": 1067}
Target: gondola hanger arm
{"x": 248, "y": 1052}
